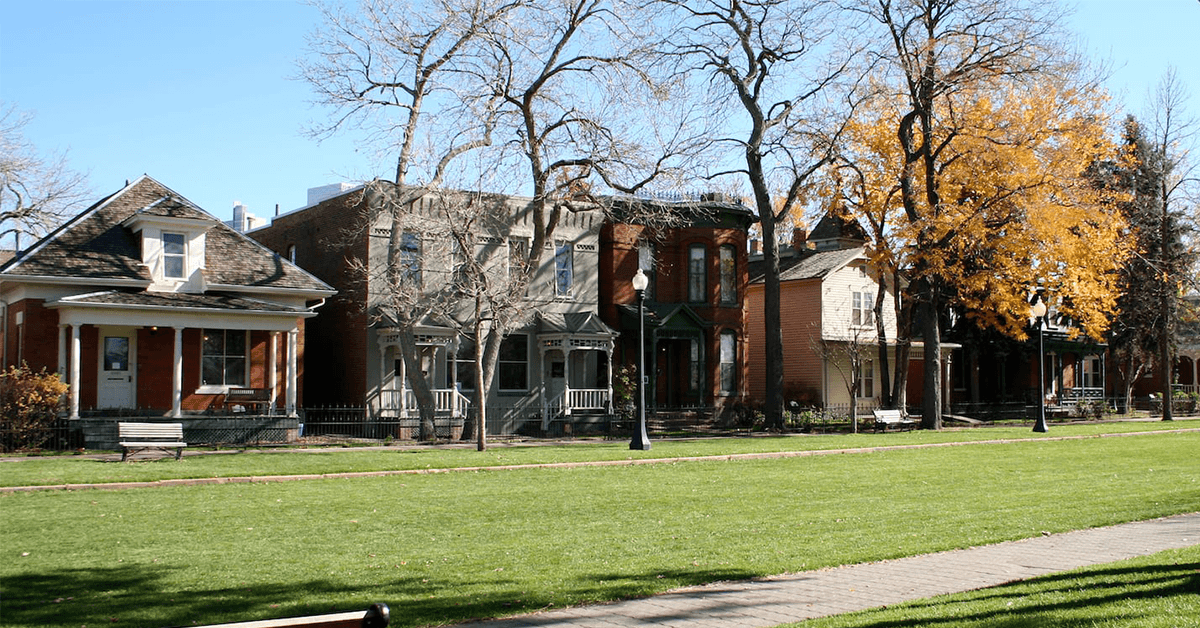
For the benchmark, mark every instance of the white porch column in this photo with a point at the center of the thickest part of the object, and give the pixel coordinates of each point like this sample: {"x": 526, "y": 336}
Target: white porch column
{"x": 273, "y": 370}
{"x": 177, "y": 376}
{"x": 291, "y": 373}
{"x": 608, "y": 353}
{"x": 74, "y": 383}
{"x": 567, "y": 350}
{"x": 62, "y": 353}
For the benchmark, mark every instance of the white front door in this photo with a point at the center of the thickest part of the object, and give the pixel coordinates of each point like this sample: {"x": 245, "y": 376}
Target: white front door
{"x": 116, "y": 381}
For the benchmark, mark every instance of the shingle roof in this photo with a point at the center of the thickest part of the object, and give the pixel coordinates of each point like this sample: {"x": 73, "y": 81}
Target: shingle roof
{"x": 178, "y": 300}
{"x": 807, "y": 265}
{"x": 95, "y": 245}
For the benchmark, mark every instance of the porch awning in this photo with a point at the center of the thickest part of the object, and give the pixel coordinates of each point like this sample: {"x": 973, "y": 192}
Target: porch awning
{"x": 174, "y": 309}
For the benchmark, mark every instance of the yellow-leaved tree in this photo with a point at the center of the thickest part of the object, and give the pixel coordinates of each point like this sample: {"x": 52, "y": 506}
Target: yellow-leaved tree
{"x": 1013, "y": 208}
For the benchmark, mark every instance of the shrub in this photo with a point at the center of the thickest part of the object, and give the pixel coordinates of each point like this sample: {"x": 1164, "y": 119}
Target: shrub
{"x": 29, "y": 405}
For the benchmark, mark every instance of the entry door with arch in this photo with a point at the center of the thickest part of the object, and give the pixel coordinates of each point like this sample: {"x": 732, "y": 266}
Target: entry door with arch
{"x": 116, "y": 378}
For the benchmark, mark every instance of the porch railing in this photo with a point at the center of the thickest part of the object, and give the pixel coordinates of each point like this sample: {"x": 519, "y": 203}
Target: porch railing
{"x": 591, "y": 399}
{"x": 587, "y": 399}
{"x": 447, "y": 402}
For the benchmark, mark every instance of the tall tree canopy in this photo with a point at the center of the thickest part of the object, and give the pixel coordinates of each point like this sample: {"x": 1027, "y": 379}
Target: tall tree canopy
{"x": 989, "y": 133}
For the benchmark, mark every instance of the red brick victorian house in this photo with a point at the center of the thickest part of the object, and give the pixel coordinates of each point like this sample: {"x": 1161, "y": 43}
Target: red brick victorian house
{"x": 147, "y": 305}
{"x": 695, "y": 322}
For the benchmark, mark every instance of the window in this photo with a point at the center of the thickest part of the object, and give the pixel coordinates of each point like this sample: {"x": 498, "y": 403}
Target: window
{"x": 463, "y": 367}
{"x": 728, "y": 274}
{"x": 518, "y": 256}
{"x": 563, "y": 269}
{"x": 866, "y": 379}
{"x": 863, "y": 313}
{"x": 697, "y": 277}
{"x": 728, "y": 362}
{"x": 291, "y": 253}
{"x": 513, "y": 366}
{"x": 223, "y": 358}
{"x": 116, "y": 353}
{"x": 174, "y": 255}
{"x": 410, "y": 258}
{"x": 1093, "y": 377}
{"x": 646, "y": 263}
{"x": 695, "y": 364}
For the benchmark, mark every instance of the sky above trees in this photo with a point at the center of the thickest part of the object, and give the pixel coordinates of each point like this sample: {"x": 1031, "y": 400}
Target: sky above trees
{"x": 202, "y": 96}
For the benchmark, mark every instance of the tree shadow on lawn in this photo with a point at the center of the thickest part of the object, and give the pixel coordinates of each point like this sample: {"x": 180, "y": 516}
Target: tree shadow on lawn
{"x": 1049, "y": 601}
{"x": 137, "y": 595}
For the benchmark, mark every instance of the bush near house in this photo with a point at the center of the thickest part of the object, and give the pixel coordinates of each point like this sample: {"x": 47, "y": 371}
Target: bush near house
{"x": 29, "y": 405}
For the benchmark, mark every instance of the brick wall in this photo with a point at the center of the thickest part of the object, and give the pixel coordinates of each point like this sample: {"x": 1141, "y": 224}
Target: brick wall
{"x": 335, "y": 349}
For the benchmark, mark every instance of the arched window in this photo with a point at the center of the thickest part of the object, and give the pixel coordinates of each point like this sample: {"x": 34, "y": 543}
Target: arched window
{"x": 728, "y": 275}
{"x": 697, "y": 273}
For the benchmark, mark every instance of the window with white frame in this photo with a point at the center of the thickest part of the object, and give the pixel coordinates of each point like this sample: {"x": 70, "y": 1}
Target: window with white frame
{"x": 863, "y": 309}
{"x": 223, "y": 357}
{"x": 174, "y": 255}
{"x": 564, "y": 269}
{"x": 410, "y": 257}
{"x": 728, "y": 362}
{"x": 512, "y": 369}
{"x": 464, "y": 366}
{"x": 518, "y": 256}
{"x": 866, "y": 379}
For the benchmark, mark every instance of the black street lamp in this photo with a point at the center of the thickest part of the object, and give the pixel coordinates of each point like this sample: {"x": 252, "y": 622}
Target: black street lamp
{"x": 1038, "y": 310}
{"x": 640, "y": 440}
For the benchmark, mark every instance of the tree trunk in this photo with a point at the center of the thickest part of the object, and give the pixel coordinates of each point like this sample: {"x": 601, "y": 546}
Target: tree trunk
{"x": 887, "y": 395}
{"x": 773, "y": 340}
{"x": 426, "y": 404}
{"x": 931, "y": 406}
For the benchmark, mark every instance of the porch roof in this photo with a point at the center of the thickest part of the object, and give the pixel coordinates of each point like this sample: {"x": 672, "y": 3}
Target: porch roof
{"x": 168, "y": 309}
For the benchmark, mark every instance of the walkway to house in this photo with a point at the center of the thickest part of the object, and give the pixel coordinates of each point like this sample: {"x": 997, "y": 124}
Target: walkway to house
{"x": 796, "y": 597}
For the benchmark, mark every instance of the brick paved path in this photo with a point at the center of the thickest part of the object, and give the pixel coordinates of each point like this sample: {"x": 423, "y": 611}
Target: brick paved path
{"x": 797, "y": 597}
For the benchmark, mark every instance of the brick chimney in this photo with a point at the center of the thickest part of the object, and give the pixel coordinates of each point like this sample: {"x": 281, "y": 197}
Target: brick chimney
{"x": 755, "y": 247}
{"x": 799, "y": 238}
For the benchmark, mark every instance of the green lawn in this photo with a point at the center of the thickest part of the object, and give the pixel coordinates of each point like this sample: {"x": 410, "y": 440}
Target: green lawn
{"x": 74, "y": 470}
{"x": 444, "y": 548}
{"x": 1157, "y": 591}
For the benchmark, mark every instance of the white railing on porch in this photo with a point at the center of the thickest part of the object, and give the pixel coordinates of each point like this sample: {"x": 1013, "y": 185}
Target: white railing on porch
{"x": 447, "y": 402}
{"x": 575, "y": 399}
{"x": 587, "y": 399}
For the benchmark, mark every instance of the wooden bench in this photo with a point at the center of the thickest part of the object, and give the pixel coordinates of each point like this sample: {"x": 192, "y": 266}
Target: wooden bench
{"x": 885, "y": 418}
{"x": 248, "y": 397}
{"x": 377, "y": 616}
{"x": 135, "y": 436}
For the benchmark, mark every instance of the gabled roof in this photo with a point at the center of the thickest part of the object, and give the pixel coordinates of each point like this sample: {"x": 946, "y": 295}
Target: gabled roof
{"x": 572, "y": 323}
{"x": 96, "y": 245}
{"x": 807, "y": 264}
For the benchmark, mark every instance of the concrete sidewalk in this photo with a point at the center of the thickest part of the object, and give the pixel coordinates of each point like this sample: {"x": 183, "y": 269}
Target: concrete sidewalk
{"x": 797, "y": 597}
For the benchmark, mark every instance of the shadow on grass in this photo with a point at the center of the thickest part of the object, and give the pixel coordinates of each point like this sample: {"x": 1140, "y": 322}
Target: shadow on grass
{"x": 1102, "y": 596}
{"x": 147, "y": 595}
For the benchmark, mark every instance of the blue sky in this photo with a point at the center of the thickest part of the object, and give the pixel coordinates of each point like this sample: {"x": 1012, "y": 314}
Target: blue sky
{"x": 199, "y": 94}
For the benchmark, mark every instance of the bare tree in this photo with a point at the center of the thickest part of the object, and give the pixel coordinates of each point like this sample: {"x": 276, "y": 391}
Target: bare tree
{"x": 848, "y": 356}
{"x": 540, "y": 94}
{"x": 402, "y": 71}
{"x": 36, "y": 193}
{"x": 1171, "y": 136}
{"x": 771, "y": 68}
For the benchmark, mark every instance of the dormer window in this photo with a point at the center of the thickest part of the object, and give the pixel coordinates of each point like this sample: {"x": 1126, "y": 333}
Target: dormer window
{"x": 174, "y": 255}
